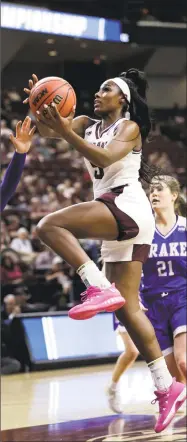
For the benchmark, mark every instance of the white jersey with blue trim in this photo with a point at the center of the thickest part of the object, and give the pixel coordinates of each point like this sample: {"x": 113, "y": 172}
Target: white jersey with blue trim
{"x": 165, "y": 271}
{"x": 117, "y": 174}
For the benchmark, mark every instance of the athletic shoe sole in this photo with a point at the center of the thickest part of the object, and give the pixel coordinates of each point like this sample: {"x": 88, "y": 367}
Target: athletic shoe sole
{"x": 92, "y": 310}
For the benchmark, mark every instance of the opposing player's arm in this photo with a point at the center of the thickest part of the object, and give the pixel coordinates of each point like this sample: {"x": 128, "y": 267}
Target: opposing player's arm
{"x": 22, "y": 142}
{"x": 126, "y": 138}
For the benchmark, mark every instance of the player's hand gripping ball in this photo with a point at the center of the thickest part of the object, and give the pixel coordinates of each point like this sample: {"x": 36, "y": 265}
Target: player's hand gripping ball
{"x": 52, "y": 90}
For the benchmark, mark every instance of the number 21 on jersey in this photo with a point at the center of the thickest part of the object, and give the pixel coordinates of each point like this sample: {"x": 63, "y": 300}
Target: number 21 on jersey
{"x": 165, "y": 268}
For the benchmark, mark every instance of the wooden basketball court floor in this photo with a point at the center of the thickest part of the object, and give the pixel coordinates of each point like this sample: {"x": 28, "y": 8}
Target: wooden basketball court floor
{"x": 71, "y": 405}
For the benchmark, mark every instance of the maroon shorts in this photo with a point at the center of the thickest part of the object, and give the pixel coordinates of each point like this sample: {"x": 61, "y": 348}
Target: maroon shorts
{"x": 127, "y": 228}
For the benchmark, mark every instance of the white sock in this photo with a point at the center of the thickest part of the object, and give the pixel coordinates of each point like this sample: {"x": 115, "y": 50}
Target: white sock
{"x": 91, "y": 275}
{"x": 160, "y": 374}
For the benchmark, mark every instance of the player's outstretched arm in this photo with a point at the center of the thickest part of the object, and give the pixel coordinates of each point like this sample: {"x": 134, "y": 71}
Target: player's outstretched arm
{"x": 22, "y": 142}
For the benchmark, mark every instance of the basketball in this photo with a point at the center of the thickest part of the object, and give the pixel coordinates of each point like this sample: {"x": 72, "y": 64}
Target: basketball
{"x": 52, "y": 90}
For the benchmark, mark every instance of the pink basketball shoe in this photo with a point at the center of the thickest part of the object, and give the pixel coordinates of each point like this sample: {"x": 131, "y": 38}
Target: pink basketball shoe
{"x": 96, "y": 300}
{"x": 169, "y": 403}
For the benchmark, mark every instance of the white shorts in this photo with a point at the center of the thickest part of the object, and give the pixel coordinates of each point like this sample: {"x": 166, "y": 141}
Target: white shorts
{"x": 132, "y": 211}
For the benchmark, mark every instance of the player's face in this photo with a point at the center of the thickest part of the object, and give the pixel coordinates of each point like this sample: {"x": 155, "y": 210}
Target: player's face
{"x": 161, "y": 196}
{"x": 108, "y": 99}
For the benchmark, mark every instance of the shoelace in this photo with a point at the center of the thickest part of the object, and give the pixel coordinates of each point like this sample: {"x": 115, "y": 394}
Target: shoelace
{"x": 89, "y": 293}
{"x": 162, "y": 399}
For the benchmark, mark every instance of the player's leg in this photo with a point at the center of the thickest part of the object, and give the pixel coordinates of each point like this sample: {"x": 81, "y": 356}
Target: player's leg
{"x": 159, "y": 319}
{"x": 158, "y": 315}
{"x": 170, "y": 394}
{"x": 125, "y": 360}
{"x": 180, "y": 361}
{"x": 61, "y": 230}
{"x": 172, "y": 367}
{"x": 127, "y": 276}
{"x": 178, "y": 320}
{"x": 180, "y": 353}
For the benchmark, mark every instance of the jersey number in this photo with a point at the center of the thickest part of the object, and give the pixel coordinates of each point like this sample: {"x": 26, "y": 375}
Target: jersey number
{"x": 165, "y": 268}
{"x": 98, "y": 173}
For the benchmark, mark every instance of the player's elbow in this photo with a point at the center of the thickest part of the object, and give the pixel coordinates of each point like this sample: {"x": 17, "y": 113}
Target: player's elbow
{"x": 106, "y": 161}
{"x": 104, "y": 164}
{"x": 101, "y": 162}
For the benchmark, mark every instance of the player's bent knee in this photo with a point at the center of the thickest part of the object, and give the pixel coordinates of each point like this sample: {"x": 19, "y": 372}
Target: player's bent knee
{"x": 180, "y": 359}
{"x": 43, "y": 226}
{"x": 47, "y": 225}
{"x": 181, "y": 362}
{"x": 133, "y": 354}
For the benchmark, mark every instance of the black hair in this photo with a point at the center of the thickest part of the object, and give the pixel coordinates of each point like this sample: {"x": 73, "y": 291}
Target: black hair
{"x": 139, "y": 112}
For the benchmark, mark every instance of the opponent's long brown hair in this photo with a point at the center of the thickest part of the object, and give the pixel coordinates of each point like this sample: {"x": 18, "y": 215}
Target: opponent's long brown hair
{"x": 173, "y": 184}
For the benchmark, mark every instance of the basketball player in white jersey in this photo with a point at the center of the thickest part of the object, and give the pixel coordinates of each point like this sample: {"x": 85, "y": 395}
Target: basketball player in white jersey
{"x": 120, "y": 215}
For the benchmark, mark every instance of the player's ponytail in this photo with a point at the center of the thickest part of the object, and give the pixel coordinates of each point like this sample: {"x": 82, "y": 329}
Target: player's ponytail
{"x": 138, "y": 107}
{"x": 138, "y": 78}
{"x": 139, "y": 112}
{"x": 180, "y": 206}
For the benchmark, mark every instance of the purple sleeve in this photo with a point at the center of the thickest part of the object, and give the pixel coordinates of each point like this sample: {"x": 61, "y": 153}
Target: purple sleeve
{"x": 12, "y": 178}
